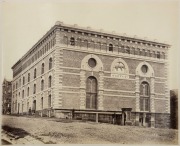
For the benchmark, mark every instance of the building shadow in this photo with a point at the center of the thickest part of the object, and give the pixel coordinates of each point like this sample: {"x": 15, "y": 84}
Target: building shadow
{"x": 20, "y": 133}
{"x": 174, "y": 108}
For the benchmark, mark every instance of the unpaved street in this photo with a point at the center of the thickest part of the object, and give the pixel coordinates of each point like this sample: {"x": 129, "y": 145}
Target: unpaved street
{"x": 51, "y": 130}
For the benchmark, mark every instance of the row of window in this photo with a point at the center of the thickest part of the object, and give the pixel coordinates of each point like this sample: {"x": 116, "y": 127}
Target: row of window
{"x": 16, "y": 105}
{"x": 37, "y": 55}
{"x": 35, "y": 74}
{"x": 111, "y": 48}
{"x": 34, "y": 87}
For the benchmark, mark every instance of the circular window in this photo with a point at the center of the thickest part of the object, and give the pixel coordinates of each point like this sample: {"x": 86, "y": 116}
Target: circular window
{"x": 144, "y": 68}
{"x": 92, "y": 62}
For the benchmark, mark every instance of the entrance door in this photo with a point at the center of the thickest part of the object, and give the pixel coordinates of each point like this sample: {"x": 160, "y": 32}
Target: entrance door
{"x": 91, "y": 93}
{"x": 34, "y": 106}
{"x": 18, "y": 107}
{"x": 118, "y": 119}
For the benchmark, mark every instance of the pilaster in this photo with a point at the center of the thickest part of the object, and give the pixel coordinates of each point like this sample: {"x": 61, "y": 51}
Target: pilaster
{"x": 167, "y": 92}
{"x": 101, "y": 90}
{"x": 152, "y": 121}
{"x": 82, "y": 89}
{"x": 137, "y": 93}
{"x": 152, "y": 95}
{"x": 58, "y": 61}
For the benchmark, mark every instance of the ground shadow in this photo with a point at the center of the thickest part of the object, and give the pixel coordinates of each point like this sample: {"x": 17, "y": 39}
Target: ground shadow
{"x": 15, "y": 131}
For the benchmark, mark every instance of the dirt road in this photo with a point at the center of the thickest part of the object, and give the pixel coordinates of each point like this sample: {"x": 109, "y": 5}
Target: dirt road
{"x": 63, "y": 131}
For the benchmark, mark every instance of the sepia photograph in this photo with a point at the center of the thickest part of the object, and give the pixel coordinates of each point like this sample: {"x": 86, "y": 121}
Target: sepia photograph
{"x": 89, "y": 72}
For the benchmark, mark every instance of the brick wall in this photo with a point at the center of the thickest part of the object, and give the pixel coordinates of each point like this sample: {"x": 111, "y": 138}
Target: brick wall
{"x": 71, "y": 101}
{"x": 160, "y": 106}
{"x": 37, "y": 64}
{"x": 74, "y": 58}
{"x": 162, "y": 120}
{"x": 71, "y": 80}
{"x": 119, "y": 84}
{"x": 116, "y": 103}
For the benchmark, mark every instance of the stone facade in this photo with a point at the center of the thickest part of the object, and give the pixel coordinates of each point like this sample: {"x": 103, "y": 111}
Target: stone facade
{"x": 95, "y": 76}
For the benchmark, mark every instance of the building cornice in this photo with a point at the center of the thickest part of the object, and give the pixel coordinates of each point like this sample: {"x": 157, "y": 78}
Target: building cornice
{"x": 102, "y": 33}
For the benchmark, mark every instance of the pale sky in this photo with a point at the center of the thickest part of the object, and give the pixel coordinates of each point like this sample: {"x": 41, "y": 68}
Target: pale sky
{"x": 24, "y": 23}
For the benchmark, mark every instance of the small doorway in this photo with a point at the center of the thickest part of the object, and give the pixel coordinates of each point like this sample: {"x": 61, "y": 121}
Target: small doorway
{"x": 118, "y": 119}
{"x": 18, "y": 107}
{"x": 34, "y": 106}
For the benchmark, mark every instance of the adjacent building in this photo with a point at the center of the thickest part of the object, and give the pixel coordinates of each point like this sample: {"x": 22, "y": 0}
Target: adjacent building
{"x": 6, "y": 96}
{"x": 81, "y": 73}
{"x": 174, "y": 108}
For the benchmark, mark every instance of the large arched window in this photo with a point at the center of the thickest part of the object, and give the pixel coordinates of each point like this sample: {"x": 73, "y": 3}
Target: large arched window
{"x": 144, "y": 96}
{"x": 49, "y": 81}
{"x": 91, "y": 93}
{"x": 42, "y": 68}
{"x": 50, "y": 63}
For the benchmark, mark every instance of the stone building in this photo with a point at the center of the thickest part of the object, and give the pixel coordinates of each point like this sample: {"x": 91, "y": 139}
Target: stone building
{"x": 94, "y": 75}
{"x": 6, "y": 96}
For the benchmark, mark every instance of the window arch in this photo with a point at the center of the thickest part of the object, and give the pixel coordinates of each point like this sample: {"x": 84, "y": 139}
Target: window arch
{"x": 28, "y": 91}
{"x": 42, "y": 68}
{"x": 34, "y": 89}
{"x": 91, "y": 93}
{"x": 34, "y": 73}
{"x": 72, "y": 41}
{"x": 49, "y": 81}
{"x": 144, "y": 96}
{"x": 42, "y": 85}
{"x": 111, "y": 47}
{"x": 49, "y": 101}
{"x": 50, "y": 63}
{"x": 28, "y": 77}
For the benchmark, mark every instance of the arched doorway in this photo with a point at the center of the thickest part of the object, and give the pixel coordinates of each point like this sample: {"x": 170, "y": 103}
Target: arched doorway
{"x": 34, "y": 106}
{"x": 91, "y": 93}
